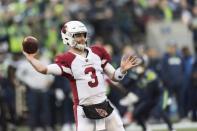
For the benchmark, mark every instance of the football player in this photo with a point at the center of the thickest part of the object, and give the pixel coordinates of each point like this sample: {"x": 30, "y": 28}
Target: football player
{"x": 84, "y": 67}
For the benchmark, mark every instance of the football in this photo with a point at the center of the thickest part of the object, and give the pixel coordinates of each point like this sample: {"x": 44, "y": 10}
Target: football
{"x": 30, "y": 44}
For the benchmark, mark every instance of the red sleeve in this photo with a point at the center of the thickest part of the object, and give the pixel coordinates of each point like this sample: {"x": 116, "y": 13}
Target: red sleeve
{"x": 102, "y": 53}
{"x": 59, "y": 61}
{"x": 64, "y": 61}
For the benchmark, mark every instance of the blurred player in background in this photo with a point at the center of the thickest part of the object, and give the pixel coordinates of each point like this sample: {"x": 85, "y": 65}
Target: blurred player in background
{"x": 37, "y": 94}
{"x": 85, "y": 67}
{"x": 150, "y": 92}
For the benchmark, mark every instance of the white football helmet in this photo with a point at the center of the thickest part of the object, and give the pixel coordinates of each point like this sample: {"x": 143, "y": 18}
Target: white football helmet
{"x": 69, "y": 30}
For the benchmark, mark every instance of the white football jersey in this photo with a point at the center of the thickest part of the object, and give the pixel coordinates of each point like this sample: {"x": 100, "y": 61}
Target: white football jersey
{"x": 86, "y": 74}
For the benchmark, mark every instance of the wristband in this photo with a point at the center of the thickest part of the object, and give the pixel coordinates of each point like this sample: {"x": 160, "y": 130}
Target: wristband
{"x": 118, "y": 75}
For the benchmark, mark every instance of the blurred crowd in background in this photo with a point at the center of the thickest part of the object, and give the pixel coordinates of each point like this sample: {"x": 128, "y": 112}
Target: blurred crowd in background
{"x": 166, "y": 82}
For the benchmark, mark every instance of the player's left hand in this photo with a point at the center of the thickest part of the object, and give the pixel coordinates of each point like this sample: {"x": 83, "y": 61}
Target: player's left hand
{"x": 128, "y": 62}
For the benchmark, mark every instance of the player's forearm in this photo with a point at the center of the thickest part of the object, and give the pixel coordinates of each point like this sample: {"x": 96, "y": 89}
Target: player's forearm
{"x": 114, "y": 74}
{"x": 38, "y": 66}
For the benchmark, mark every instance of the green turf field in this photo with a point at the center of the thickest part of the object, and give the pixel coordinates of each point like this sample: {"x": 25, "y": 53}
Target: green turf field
{"x": 182, "y": 126}
{"x": 185, "y": 129}
{"x": 180, "y": 130}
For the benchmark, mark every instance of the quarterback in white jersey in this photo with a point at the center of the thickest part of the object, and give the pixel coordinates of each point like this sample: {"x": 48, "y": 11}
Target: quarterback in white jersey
{"x": 85, "y": 67}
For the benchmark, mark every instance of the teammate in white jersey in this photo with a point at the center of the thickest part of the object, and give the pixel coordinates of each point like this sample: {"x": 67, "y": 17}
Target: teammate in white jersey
{"x": 85, "y": 67}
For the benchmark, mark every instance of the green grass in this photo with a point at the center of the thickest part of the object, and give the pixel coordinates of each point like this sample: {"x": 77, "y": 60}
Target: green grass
{"x": 25, "y": 128}
{"x": 22, "y": 129}
{"x": 180, "y": 129}
{"x": 188, "y": 129}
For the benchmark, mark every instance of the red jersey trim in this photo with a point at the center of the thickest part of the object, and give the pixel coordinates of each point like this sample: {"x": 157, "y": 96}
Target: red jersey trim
{"x": 66, "y": 60}
{"x": 102, "y": 53}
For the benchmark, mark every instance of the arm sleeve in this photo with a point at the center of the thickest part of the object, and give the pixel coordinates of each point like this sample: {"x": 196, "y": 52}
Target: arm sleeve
{"x": 54, "y": 69}
{"x": 63, "y": 62}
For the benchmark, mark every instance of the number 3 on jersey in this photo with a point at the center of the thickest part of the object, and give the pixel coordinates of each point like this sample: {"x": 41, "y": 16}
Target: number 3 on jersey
{"x": 94, "y": 82}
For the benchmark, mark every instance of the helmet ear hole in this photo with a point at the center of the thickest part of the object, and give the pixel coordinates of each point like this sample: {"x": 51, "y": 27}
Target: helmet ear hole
{"x": 64, "y": 29}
